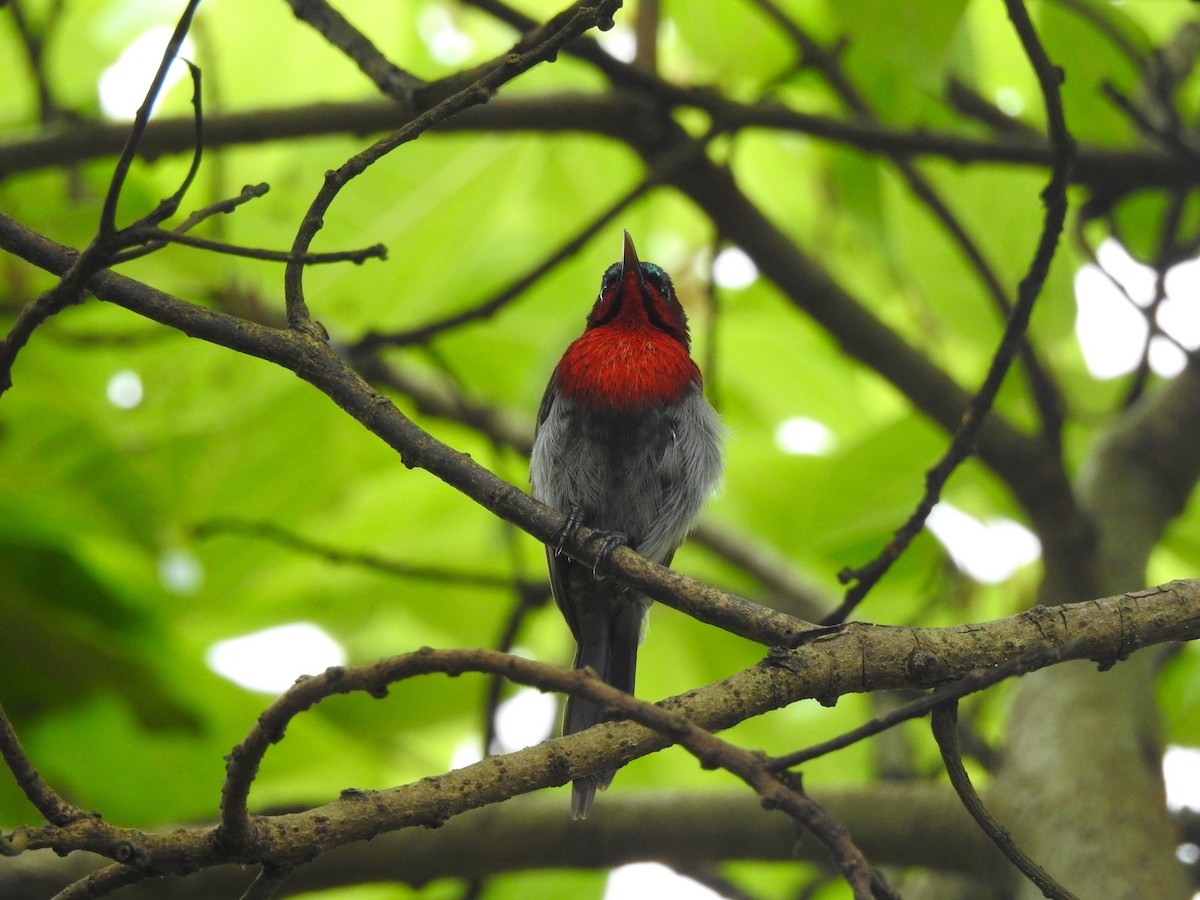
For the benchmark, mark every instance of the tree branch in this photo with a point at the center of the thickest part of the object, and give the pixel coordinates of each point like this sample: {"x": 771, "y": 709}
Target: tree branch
{"x": 1045, "y": 393}
{"x": 108, "y": 214}
{"x": 373, "y": 341}
{"x": 338, "y": 556}
{"x": 1033, "y": 474}
{"x": 1110, "y": 171}
{"x": 912, "y": 824}
{"x": 788, "y": 590}
{"x": 391, "y": 80}
{"x": 53, "y": 807}
{"x": 855, "y": 658}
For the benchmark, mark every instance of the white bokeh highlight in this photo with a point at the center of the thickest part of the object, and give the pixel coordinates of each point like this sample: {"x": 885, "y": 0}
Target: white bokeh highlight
{"x": 646, "y": 880}
{"x": 180, "y": 572}
{"x": 1181, "y": 774}
{"x": 271, "y": 660}
{"x": 123, "y": 85}
{"x": 447, "y": 43}
{"x": 467, "y": 753}
{"x": 124, "y": 389}
{"x": 733, "y": 269}
{"x": 524, "y": 719}
{"x": 801, "y": 436}
{"x": 1112, "y": 330}
{"x": 1010, "y": 101}
{"x": 988, "y": 552}
{"x": 618, "y": 42}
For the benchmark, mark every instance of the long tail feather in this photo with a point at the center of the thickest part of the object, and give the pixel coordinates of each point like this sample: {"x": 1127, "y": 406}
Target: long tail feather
{"x": 608, "y": 644}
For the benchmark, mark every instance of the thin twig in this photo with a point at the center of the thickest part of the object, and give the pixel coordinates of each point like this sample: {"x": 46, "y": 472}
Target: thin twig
{"x": 1149, "y": 313}
{"x": 96, "y": 256}
{"x": 1046, "y": 395}
{"x": 168, "y": 206}
{"x": 153, "y": 239}
{"x": 542, "y": 45}
{"x": 974, "y": 681}
{"x": 528, "y": 600}
{"x": 1167, "y": 136}
{"x": 528, "y": 597}
{"x": 1054, "y": 196}
{"x": 968, "y": 102}
{"x": 223, "y": 207}
{"x": 374, "y": 340}
{"x": 34, "y": 45}
{"x": 108, "y": 214}
{"x": 67, "y": 292}
{"x": 1103, "y": 19}
{"x": 267, "y": 882}
{"x": 945, "y": 725}
{"x": 46, "y": 800}
{"x": 103, "y": 882}
{"x": 1165, "y": 258}
{"x": 333, "y": 26}
{"x": 494, "y": 304}
{"x": 285, "y": 538}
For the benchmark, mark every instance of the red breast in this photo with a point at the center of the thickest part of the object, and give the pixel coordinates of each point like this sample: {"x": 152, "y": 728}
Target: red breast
{"x": 626, "y": 365}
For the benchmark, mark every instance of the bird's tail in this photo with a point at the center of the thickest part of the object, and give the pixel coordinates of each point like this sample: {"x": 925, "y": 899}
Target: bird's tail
{"x": 608, "y": 645}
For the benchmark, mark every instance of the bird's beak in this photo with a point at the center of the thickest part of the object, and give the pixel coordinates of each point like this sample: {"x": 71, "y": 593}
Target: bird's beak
{"x": 629, "y": 261}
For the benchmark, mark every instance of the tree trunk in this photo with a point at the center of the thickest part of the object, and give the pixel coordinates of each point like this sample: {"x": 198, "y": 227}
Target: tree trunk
{"x": 1081, "y": 784}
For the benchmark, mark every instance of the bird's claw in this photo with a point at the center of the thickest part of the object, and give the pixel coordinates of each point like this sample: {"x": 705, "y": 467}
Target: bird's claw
{"x": 609, "y": 541}
{"x": 570, "y": 523}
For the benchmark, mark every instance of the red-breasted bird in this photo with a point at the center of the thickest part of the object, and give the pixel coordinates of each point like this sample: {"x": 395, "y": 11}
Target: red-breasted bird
{"x": 626, "y": 444}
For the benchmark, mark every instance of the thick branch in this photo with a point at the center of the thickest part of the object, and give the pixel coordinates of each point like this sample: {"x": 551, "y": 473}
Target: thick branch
{"x": 1103, "y": 169}
{"x": 856, "y": 658}
{"x": 1142, "y": 474}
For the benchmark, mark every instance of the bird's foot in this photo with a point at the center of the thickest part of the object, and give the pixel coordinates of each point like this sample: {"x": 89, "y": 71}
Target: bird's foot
{"x": 609, "y": 541}
{"x": 573, "y": 520}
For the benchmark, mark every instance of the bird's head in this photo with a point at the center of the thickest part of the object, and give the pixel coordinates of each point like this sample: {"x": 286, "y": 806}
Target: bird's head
{"x": 635, "y": 293}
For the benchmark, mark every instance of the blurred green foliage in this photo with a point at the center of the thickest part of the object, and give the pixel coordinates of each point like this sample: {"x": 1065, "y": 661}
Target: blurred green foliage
{"x": 102, "y": 662}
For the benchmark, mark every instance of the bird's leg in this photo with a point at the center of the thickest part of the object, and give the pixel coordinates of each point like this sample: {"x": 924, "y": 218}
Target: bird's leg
{"x": 573, "y": 520}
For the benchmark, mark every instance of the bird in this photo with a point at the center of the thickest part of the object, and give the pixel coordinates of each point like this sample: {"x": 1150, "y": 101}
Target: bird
{"x": 627, "y": 444}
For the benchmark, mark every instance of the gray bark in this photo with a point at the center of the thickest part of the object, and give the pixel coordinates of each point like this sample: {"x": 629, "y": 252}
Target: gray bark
{"x": 1081, "y": 787}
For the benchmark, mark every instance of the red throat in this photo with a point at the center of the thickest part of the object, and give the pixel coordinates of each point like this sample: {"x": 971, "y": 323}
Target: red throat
{"x": 626, "y": 365}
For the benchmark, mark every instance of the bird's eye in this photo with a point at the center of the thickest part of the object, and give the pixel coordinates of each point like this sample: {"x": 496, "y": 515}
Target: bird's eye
{"x": 611, "y": 274}
{"x": 658, "y": 279}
